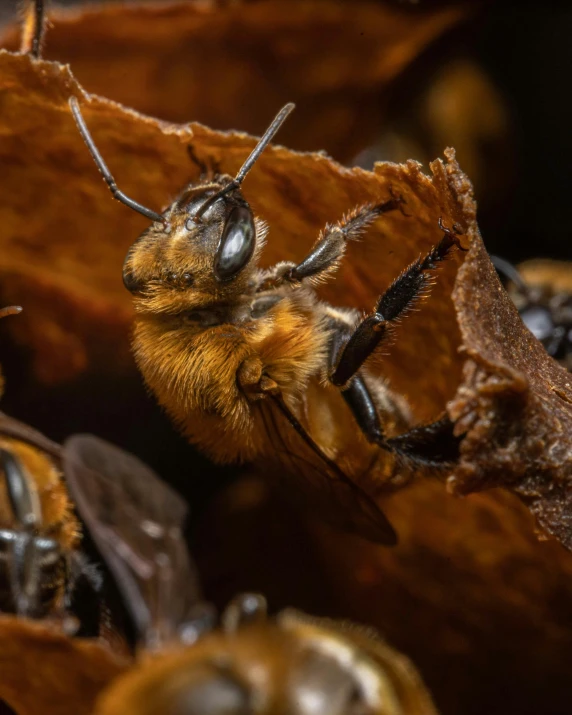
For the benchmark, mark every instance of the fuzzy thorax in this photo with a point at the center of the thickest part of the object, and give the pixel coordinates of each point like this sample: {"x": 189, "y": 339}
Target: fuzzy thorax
{"x": 195, "y": 373}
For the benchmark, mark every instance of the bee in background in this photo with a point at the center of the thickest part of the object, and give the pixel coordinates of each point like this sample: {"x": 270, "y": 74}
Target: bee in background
{"x": 254, "y": 665}
{"x": 41, "y": 564}
{"x": 253, "y": 367}
{"x": 34, "y": 562}
{"x": 37, "y": 526}
{"x": 43, "y": 569}
{"x": 542, "y": 293}
{"x": 250, "y": 663}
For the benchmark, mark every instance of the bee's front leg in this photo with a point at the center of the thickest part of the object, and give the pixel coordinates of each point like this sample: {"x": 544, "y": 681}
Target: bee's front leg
{"x": 330, "y": 247}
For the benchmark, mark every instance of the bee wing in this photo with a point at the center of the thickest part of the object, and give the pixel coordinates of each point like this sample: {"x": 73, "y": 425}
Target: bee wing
{"x": 136, "y": 522}
{"x": 344, "y": 503}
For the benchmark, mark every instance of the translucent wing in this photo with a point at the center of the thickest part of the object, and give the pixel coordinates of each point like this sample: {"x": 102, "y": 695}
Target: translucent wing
{"x": 135, "y": 520}
{"x": 345, "y": 504}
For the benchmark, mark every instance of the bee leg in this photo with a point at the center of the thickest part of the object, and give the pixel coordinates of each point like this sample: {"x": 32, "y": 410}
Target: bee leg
{"x": 433, "y": 445}
{"x": 84, "y": 595}
{"x": 252, "y": 380}
{"x": 412, "y": 285}
{"x": 23, "y": 555}
{"x": 356, "y": 393}
{"x": 34, "y": 28}
{"x": 359, "y": 400}
{"x": 330, "y": 247}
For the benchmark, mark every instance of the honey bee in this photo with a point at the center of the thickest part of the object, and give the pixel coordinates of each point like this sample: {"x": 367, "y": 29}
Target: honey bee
{"x": 36, "y": 523}
{"x": 187, "y": 663}
{"x": 252, "y": 366}
{"x": 40, "y": 560}
{"x": 42, "y": 566}
{"x": 291, "y": 663}
{"x": 542, "y": 293}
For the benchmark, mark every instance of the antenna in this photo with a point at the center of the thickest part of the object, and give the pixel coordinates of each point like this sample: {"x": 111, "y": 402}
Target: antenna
{"x": 264, "y": 141}
{"x": 102, "y": 166}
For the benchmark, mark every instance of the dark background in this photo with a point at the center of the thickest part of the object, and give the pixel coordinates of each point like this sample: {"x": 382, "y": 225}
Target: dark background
{"x": 525, "y": 50}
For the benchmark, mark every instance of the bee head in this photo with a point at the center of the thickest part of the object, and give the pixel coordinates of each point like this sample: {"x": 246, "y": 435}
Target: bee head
{"x": 201, "y": 245}
{"x": 205, "y": 244}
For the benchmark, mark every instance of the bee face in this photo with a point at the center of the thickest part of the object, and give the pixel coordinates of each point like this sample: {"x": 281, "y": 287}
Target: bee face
{"x": 201, "y": 245}
{"x": 204, "y": 250}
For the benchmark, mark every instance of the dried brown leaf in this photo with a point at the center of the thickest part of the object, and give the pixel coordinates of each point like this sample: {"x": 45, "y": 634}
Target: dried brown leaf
{"x": 234, "y": 65}
{"x": 515, "y": 404}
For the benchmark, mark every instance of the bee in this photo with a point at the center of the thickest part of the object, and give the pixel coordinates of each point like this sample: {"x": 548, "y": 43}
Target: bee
{"x": 41, "y": 564}
{"x": 542, "y": 293}
{"x": 44, "y": 573}
{"x": 189, "y": 663}
{"x": 37, "y": 526}
{"x": 33, "y": 562}
{"x": 252, "y": 366}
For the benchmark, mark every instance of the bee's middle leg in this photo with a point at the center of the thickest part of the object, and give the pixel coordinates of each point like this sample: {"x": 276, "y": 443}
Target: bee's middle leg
{"x": 329, "y": 248}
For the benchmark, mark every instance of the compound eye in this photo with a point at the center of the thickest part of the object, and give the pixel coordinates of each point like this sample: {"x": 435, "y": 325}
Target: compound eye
{"x": 236, "y": 244}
